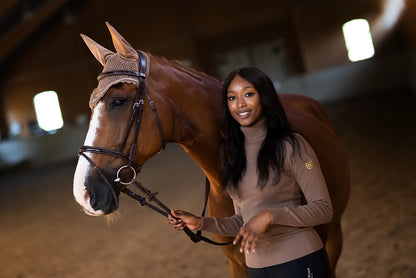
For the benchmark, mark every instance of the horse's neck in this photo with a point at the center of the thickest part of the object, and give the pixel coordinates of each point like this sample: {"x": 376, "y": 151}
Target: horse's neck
{"x": 195, "y": 104}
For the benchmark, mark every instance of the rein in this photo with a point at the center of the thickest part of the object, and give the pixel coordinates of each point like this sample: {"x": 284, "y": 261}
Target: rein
{"x": 134, "y": 122}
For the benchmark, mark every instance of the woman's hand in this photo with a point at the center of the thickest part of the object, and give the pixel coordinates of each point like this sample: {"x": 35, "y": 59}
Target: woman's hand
{"x": 180, "y": 219}
{"x": 252, "y": 230}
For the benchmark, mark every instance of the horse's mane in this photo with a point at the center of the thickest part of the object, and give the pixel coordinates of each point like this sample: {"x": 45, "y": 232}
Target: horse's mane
{"x": 198, "y": 75}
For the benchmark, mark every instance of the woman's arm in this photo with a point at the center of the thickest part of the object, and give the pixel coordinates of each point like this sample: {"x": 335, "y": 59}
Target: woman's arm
{"x": 305, "y": 167}
{"x": 228, "y": 226}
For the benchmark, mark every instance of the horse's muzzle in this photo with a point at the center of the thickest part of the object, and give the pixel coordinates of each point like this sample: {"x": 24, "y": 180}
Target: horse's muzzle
{"x": 101, "y": 196}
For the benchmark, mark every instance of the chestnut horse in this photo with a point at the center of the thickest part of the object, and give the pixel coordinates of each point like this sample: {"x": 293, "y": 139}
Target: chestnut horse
{"x": 188, "y": 113}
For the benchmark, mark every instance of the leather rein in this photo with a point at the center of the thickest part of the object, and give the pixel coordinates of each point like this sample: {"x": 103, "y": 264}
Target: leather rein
{"x": 134, "y": 168}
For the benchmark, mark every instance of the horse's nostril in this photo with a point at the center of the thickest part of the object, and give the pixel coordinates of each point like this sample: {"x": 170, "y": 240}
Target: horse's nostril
{"x": 102, "y": 200}
{"x": 93, "y": 201}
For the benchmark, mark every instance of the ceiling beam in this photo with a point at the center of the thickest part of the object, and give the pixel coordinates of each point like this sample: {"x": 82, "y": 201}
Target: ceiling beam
{"x": 18, "y": 33}
{"x": 5, "y": 6}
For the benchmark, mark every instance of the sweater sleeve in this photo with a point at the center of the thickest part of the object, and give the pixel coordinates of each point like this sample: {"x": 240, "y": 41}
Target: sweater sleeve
{"x": 306, "y": 170}
{"x": 228, "y": 226}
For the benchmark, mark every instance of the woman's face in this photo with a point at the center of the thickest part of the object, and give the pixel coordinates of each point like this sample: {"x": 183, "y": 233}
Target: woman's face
{"x": 244, "y": 102}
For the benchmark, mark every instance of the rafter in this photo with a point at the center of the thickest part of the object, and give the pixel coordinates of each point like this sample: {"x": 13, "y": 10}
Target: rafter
{"x": 24, "y": 28}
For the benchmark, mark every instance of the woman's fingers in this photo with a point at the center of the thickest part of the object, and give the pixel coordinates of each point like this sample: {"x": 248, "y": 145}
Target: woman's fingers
{"x": 251, "y": 243}
{"x": 180, "y": 226}
{"x": 177, "y": 223}
{"x": 254, "y": 244}
{"x": 238, "y": 237}
{"x": 248, "y": 240}
{"x": 243, "y": 243}
{"x": 171, "y": 219}
{"x": 242, "y": 235}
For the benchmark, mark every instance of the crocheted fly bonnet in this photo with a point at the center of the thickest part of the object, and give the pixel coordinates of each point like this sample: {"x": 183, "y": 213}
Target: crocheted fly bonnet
{"x": 125, "y": 59}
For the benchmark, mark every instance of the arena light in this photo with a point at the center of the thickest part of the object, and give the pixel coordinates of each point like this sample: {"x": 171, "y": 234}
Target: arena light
{"x": 358, "y": 40}
{"x": 48, "y": 111}
{"x": 392, "y": 11}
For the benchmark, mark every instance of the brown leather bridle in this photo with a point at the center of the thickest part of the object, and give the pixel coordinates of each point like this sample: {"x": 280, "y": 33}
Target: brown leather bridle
{"x": 134, "y": 122}
{"x": 130, "y": 165}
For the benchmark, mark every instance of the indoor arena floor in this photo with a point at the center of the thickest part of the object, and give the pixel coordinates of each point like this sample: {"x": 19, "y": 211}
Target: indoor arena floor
{"x": 43, "y": 232}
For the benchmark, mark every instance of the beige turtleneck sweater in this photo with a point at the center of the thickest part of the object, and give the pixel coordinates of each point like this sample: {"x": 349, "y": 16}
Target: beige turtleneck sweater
{"x": 291, "y": 234}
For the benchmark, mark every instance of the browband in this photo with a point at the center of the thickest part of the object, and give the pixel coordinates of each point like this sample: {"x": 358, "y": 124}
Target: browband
{"x": 120, "y": 72}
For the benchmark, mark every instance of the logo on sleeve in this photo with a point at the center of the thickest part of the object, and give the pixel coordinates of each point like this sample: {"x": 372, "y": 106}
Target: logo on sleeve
{"x": 309, "y": 165}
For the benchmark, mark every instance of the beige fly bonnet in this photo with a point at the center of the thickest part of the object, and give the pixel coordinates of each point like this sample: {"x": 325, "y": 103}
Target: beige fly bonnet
{"x": 125, "y": 59}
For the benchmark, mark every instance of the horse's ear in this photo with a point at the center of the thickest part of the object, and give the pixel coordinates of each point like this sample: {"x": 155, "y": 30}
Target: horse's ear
{"x": 121, "y": 45}
{"x": 100, "y": 53}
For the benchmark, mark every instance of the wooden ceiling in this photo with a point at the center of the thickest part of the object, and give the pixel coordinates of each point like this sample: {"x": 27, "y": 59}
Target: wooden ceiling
{"x": 21, "y": 18}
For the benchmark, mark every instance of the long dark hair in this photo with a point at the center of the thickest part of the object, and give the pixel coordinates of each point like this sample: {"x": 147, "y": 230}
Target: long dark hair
{"x": 272, "y": 152}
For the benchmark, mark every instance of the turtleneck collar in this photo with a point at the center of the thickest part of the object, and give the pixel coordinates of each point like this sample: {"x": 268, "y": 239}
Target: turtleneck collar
{"x": 256, "y": 132}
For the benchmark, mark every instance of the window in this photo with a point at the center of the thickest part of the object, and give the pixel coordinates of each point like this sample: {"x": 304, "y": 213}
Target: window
{"x": 358, "y": 40}
{"x": 48, "y": 112}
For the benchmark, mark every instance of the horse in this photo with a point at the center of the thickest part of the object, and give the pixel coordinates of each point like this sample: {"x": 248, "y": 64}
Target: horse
{"x": 144, "y": 101}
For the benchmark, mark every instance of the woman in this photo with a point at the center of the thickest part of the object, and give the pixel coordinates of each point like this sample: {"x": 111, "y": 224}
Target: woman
{"x": 274, "y": 178}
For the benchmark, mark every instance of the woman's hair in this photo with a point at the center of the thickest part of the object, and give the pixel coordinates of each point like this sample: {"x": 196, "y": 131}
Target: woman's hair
{"x": 272, "y": 151}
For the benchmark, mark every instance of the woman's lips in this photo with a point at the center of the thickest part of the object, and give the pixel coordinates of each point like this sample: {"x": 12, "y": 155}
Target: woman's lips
{"x": 243, "y": 114}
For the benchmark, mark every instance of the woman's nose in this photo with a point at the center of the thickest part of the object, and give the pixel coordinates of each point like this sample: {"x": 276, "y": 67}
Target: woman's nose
{"x": 241, "y": 102}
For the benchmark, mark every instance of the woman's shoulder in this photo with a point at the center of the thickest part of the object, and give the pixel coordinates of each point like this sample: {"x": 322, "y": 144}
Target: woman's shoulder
{"x": 297, "y": 146}
{"x": 293, "y": 141}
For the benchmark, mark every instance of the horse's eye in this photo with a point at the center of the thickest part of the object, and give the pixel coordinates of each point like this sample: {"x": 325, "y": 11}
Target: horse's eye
{"x": 118, "y": 102}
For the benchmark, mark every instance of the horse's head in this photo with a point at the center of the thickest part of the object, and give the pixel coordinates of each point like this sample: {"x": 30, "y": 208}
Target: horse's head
{"x": 124, "y": 131}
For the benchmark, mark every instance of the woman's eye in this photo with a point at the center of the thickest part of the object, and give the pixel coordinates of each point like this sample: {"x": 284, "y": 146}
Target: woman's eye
{"x": 249, "y": 94}
{"x": 231, "y": 98}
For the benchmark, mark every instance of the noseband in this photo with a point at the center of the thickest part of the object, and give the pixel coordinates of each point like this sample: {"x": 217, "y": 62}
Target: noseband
{"x": 135, "y": 120}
